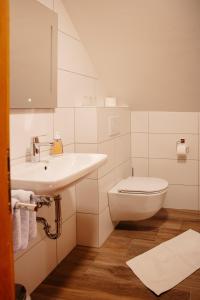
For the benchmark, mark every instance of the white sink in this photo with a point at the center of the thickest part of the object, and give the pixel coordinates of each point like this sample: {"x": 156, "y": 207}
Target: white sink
{"x": 54, "y": 173}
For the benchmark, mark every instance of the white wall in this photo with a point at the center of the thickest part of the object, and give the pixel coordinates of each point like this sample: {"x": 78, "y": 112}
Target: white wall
{"x": 154, "y": 136}
{"x": 146, "y": 52}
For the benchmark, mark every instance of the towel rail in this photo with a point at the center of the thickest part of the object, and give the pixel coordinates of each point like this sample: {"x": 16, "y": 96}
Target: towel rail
{"x": 28, "y": 206}
{"x": 39, "y": 201}
{"x": 36, "y": 202}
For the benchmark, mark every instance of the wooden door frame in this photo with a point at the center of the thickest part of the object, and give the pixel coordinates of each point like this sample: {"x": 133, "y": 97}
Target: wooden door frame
{"x": 6, "y": 247}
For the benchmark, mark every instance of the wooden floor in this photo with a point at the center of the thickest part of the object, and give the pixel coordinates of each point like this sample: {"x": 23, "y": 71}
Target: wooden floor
{"x": 98, "y": 274}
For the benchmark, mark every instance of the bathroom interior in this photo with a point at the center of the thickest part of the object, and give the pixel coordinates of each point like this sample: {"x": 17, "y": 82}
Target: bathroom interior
{"x": 104, "y": 122}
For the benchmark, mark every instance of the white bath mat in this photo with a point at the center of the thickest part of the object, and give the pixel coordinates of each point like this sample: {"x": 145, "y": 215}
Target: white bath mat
{"x": 164, "y": 266}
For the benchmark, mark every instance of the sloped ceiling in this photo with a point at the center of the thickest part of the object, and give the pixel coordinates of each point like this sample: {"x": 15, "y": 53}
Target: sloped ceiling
{"x": 147, "y": 52}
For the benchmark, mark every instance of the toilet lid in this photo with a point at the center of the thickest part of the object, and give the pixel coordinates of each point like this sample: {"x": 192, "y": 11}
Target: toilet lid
{"x": 141, "y": 185}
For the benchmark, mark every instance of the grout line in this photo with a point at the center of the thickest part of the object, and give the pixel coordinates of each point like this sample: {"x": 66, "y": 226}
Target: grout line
{"x": 148, "y": 142}
{"x": 69, "y": 35}
{"x": 198, "y": 162}
{"x": 53, "y": 123}
{"x": 77, "y": 73}
{"x": 166, "y": 158}
{"x": 182, "y": 184}
{"x": 111, "y": 170}
{"x": 94, "y": 214}
{"x": 74, "y": 112}
{"x": 107, "y": 140}
{"x": 84, "y": 106}
{"x": 108, "y": 172}
{"x": 166, "y": 133}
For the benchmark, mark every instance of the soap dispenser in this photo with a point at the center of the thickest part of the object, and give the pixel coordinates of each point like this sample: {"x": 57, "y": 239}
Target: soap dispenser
{"x": 57, "y": 147}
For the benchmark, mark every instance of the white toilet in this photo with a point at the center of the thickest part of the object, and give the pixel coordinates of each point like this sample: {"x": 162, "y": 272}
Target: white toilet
{"x": 137, "y": 198}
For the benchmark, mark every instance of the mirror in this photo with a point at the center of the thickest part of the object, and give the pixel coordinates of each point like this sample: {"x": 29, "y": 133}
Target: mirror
{"x": 33, "y": 55}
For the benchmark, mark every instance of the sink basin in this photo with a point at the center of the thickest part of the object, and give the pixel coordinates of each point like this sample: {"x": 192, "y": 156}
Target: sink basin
{"x": 54, "y": 173}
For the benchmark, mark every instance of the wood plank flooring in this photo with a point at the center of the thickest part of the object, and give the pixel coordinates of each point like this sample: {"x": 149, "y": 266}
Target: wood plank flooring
{"x": 102, "y": 274}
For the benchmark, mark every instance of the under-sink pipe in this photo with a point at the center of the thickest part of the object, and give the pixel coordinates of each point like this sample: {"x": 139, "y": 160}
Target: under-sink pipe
{"x": 58, "y": 220}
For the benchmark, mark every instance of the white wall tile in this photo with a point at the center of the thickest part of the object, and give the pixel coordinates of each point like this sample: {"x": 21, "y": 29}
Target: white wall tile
{"x": 173, "y": 122}
{"x": 182, "y": 197}
{"x": 87, "y": 148}
{"x": 37, "y": 269}
{"x": 139, "y": 145}
{"x": 72, "y": 56}
{"x": 64, "y": 124}
{"x": 87, "y": 230}
{"x": 67, "y": 240}
{"x": 64, "y": 21}
{"x": 47, "y": 3}
{"x": 68, "y": 93}
{"x": 87, "y": 197}
{"x": 85, "y": 125}
{"x": 125, "y": 120}
{"x": 175, "y": 172}
{"x": 24, "y": 124}
{"x": 104, "y": 115}
{"x": 108, "y": 148}
{"x": 139, "y": 121}
{"x": 164, "y": 145}
{"x": 123, "y": 148}
{"x": 105, "y": 184}
{"x": 105, "y": 226}
{"x": 68, "y": 202}
{"x": 69, "y": 148}
{"x": 140, "y": 167}
{"x": 123, "y": 171}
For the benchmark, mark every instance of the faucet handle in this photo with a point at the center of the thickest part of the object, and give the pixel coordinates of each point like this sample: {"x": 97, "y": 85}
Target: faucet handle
{"x": 35, "y": 139}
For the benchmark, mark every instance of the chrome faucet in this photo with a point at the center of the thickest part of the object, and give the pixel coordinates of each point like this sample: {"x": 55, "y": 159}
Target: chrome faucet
{"x": 35, "y": 148}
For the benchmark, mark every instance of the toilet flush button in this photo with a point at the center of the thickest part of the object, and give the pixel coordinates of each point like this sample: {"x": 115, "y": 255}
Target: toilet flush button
{"x": 113, "y": 125}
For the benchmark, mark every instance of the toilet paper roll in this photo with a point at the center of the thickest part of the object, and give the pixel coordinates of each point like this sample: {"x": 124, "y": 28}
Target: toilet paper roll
{"x": 181, "y": 150}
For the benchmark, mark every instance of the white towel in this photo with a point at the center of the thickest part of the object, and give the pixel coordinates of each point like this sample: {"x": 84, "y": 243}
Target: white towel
{"x": 27, "y": 218}
{"x": 164, "y": 266}
{"x": 16, "y": 223}
{"x": 32, "y": 221}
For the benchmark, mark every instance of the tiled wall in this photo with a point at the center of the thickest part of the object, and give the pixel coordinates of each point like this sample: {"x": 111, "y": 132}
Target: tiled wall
{"x": 77, "y": 85}
{"x": 154, "y": 136}
{"x": 93, "y": 217}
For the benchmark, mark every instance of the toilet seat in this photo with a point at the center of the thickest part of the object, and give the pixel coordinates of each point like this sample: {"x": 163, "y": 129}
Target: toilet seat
{"x": 140, "y": 185}
{"x": 136, "y": 198}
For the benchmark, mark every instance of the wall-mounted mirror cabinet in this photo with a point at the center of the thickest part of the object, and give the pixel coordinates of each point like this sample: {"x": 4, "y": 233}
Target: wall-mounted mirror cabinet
{"x": 33, "y": 55}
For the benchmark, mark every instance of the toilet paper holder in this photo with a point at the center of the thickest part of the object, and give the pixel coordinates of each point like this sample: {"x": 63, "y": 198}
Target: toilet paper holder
{"x": 182, "y": 141}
